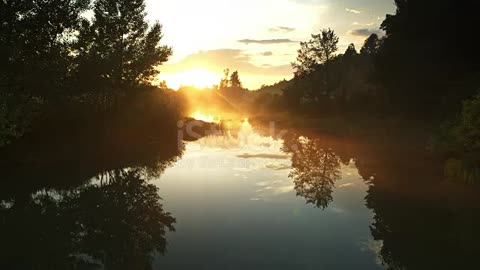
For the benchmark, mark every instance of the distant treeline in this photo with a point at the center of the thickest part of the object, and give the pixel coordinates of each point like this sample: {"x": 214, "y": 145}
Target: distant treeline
{"x": 424, "y": 65}
{"x": 65, "y": 60}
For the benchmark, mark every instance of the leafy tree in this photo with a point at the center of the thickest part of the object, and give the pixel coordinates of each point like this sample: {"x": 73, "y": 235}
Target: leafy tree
{"x": 426, "y": 60}
{"x": 324, "y": 45}
{"x": 225, "y": 82}
{"x": 351, "y": 51}
{"x": 306, "y": 60}
{"x": 235, "y": 80}
{"x": 319, "y": 50}
{"x": 313, "y": 63}
{"x": 371, "y": 45}
{"x": 35, "y": 57}
{"x": 460, "y": 137}
{"x": 119, "y": 50}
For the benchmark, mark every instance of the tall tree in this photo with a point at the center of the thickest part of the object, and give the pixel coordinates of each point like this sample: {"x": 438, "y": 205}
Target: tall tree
{"x": 235, "y": 80}
{"x": 371, "y": 45}
{"x": 426, "y": 58}
{"x": 312, "y": 68}
{"x": 350, "y": 51}
{"x": 325, "y": 45}
{"x": 35, "y": 57}
{"x": 35, "y": 39}
{"x": 224, "y": 82}
{"x": 119, "y": 46}
{"x": 319, "y": 50}
{"x": 306, "y": 60}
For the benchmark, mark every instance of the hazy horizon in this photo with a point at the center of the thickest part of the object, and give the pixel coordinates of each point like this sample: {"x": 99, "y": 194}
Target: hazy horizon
{"x": 258, "y": 38}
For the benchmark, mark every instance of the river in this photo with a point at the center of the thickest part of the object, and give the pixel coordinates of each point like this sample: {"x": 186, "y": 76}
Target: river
{"x": 248, "y": 196}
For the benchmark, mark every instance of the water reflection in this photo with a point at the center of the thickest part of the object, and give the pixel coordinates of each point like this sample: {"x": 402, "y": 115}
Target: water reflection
{"x": 234, "y": 196}
{"x": 114, "y": 223}
{"x": 314, "y": 169}
{"x": 84, "y": 202}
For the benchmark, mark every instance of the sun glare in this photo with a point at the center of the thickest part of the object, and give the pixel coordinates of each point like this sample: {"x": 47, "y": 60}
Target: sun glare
{"x": 195, "y": 77}
{"x": 206, "y": 118}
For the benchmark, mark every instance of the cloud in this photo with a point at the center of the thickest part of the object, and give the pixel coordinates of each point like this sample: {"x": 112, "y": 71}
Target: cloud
{"x": 355, "y": 11}
{"x": 366, "y": 24}
{"x": 364, "y": 32}
{"x": 269, "y": 156}
{"x": 266, "y": 41}
{"x": 285, "y": 189}
{"x": 252, "y": 72}
{"x": 281, "y": 29}
{"x": 217, "y": 60}
{"x": 278, "y": 167}
{"x": 308, "y": 2}
{"x": 268, "y": 53}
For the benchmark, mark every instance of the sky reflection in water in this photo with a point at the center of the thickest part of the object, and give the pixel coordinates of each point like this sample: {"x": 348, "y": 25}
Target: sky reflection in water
{"x": 236, "y": 208}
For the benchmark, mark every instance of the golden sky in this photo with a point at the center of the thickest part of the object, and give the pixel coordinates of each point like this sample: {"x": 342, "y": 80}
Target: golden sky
{"x": 259, "y": 38}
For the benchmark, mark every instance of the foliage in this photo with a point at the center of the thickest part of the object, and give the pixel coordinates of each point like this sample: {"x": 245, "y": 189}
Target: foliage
{"x": 325, "y": 83}
{"x": 128, "y": 226}
{"x": 317, "y": 51}
{"x": 371, "y": 46}
{"x": 461, "y": 137}
{"x": 15, "y": 118}
{"x": 235, "y": 80}
{"x": 119, "y": 45}
{"x": 35, "y": 57}
{"x": 458, "y": 140}
{"x": 425, "y": 59}
{"x": 55, "y": 63}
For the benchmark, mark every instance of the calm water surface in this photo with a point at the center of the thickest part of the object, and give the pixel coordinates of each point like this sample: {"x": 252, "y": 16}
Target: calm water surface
{"x": 237, "y": 208}
{"x": 242, "y": 198}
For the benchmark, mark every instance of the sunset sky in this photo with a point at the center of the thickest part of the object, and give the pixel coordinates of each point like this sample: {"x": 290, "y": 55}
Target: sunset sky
{"x": 259, "y": 38}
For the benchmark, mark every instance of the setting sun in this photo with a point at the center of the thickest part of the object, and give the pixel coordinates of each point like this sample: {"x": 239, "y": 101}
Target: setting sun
{"x": 196, "y": 77}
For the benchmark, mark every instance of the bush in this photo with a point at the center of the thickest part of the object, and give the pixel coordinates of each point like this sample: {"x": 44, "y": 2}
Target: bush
{"x": 459, "y": 141}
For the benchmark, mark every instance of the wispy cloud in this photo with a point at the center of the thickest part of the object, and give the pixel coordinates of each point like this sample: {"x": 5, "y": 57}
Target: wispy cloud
{"x": 268, "y": 53}
{"x": 219, "y": 59}
{"x": 278, "y": 167}
{"x": 364, "y": 32}
{"x": 267, "y": 156}
{"x": 366, "y": 24}
{"x": 266, "y": 41}
{"x": 355, "y": 11}
{"x": 281, "y": 29}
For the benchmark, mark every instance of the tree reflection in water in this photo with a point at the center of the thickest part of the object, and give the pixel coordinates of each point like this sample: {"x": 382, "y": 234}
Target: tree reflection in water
{"x": 314, "y": 169}
{"x": 118, "y": 223}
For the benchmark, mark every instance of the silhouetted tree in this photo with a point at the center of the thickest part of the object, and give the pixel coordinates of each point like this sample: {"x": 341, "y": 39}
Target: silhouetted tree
{"x": 306, "y": 60}
{"x": 35, "y": 58}
{"x": 351, "y": 51}
{"x": 326, "y": 83}
{"x": 425, "y": 70}
{"x": 225, "y": 82}
{"x": 235, "y": 80}
{"x": 118, "y": 50}
{"x": 319, "y": 50}
{"x": 117, "y": 224}
{"x": 371, "y": 45}
{"x": 312, "y": 68}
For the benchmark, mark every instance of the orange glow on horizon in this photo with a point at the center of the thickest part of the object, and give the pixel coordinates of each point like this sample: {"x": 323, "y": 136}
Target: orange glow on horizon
{"x": 206, "y": 118}
{"x": 198, "y": 78}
